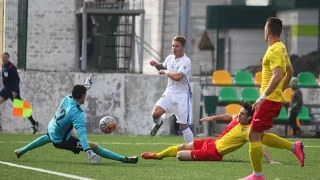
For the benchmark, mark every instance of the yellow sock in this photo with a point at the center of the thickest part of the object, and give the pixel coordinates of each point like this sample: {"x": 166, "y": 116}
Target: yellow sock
{"x": 275, "y": 141}
{"x": 256, "y": 156}
{"x": 169, "y": 152}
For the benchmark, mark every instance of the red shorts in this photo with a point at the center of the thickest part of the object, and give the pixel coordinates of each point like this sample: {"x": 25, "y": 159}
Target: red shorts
{"x": 205, "y": 150}
{"x": 262, "y": 120}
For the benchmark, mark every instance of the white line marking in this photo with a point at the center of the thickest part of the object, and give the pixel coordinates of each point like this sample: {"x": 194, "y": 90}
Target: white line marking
{"x": 45, "y": 171}
{"x": 115, "y": 143}
{"x": 121, "y": 143}
{"x": 19, "y": 142}
{"x": 302, "y": 139}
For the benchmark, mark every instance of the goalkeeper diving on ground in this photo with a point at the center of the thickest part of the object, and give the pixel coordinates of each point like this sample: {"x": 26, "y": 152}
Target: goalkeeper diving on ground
{"x": 68, "y": 116}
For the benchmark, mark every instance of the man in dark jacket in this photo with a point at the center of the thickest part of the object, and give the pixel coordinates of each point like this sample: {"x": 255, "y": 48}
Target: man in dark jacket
{"x": 11, "y": 81}
{"x": 295, "y": 106}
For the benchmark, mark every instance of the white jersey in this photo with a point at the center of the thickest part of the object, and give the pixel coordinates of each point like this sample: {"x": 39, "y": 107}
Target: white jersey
{"x": 181, "y": 65}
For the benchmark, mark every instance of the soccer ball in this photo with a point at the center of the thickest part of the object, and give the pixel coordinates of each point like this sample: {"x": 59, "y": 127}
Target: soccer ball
{"x": 107, "y": 124}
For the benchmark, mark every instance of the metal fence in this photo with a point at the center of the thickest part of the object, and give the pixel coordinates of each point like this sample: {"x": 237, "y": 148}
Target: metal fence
{"x": 112, "y": 25}
{"x": 109, "y": 4}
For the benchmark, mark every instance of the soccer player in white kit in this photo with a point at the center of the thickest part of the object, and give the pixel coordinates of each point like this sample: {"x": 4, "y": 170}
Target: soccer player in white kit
{"x": 176, "y": 100}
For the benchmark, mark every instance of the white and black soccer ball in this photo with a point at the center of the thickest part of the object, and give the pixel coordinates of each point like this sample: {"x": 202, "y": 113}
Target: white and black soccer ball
{"x": 107, "y": 124}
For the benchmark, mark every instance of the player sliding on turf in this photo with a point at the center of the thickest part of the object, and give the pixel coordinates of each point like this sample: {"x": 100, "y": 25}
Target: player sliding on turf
{"x": 232, "y": 138}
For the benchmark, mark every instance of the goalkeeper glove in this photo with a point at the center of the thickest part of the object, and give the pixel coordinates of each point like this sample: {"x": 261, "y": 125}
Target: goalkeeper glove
{"x": 88, "y": 82}
{"x": 93, "y": 157}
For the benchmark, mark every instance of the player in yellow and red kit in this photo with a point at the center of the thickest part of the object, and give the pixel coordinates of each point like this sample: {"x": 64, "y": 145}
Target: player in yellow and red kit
{"x": 276, "y": 75}
{"x": 232, "y": 138}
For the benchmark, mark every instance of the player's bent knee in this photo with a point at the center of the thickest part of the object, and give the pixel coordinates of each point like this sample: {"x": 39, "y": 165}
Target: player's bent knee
{"x": 157, "y": 112}
{"x": 183, "y": 126}
{"x": 183, "y": 156}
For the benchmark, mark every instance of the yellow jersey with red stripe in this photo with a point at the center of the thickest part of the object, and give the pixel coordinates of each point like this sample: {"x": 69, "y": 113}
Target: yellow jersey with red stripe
{"x": 275, "y": 56}
{"x": 234, "y": 136}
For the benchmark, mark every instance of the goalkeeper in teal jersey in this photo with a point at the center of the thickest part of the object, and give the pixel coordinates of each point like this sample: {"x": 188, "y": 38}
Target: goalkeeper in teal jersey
{"x": 69, "y": 116}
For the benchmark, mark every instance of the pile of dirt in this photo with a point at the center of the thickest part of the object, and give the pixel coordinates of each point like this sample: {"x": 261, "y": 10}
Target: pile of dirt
{"x": 304, "y": 63}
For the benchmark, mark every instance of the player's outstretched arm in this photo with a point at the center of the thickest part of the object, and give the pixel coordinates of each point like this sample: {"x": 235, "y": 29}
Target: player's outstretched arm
{"x": 224, "y": 117}
{"x": 79, "y": 124}
{"x": 268, "y": 157}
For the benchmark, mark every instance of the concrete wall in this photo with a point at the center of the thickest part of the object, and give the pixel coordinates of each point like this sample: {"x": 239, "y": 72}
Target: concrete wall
{"x": 303, "y": 40}
{"x": 50, "y": 44}
{"x": 127, "y": 98}
{"x": 299, "y": 16}
{"x": 302, "y": 45}
{"x": 243, "y": 47}
{"x": 51, "y": 34}
{"x": 247, "y": 47}
{"x": 44, "y": 91}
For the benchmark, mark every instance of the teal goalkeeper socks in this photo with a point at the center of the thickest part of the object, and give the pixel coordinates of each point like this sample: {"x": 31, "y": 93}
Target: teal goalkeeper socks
{"x": 36, "y": 143}
{"x": 109, "y": 154}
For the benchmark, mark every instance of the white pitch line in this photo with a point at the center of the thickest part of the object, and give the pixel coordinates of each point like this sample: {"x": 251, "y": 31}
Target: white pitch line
{"x": 45, "y": 171}
{"x": 303, "y": 139}
{"x": 121, "y": 143}
{"x": 115, "y": 143}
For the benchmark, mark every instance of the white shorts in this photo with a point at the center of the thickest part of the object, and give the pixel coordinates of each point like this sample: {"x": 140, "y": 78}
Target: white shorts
{"x": 178, "y": 104}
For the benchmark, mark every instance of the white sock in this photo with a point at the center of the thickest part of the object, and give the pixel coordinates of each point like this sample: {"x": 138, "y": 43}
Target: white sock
{"x": 158, "y": 121}
{"x": 293, "y": 148}
{"x": 187, "y": 135}
{"x": 258, "y": 174}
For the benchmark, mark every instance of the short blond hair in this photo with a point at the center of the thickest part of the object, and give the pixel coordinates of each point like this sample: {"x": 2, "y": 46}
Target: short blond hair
{"x": 180, "y": 39}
